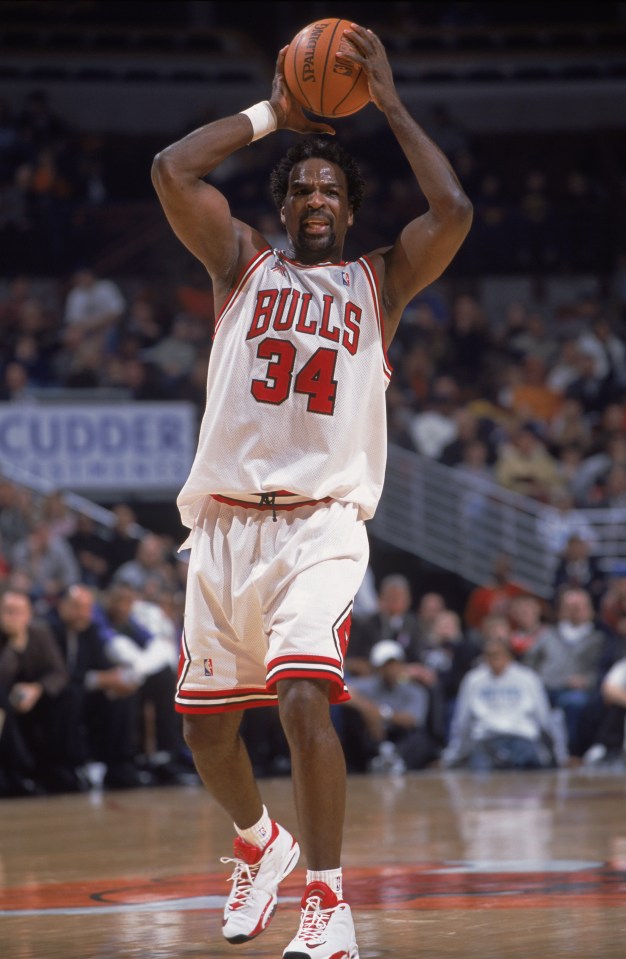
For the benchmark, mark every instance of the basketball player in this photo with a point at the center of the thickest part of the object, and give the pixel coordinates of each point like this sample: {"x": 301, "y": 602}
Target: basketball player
{"x": 290, "y": 463}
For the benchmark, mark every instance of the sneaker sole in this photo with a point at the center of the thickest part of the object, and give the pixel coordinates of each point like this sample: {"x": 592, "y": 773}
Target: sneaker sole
{"x": 237, "y": 940}
{"x": 291, "y": 865}
{"x": 342, "y": 954}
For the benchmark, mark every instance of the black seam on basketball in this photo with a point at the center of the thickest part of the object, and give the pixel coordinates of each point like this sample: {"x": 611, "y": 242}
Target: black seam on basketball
{"x": 330, "y": 42}
{"x": 344, "y": 98}
{"x": 295, "y": 73}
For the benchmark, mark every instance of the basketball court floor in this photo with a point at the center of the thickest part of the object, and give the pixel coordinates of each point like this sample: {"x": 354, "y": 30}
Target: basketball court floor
{"x": 437, "y": 865}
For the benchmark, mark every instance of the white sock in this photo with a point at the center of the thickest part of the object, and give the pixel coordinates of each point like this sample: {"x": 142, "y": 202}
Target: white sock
{"x": 259, "y": 834}
{"x": 332, "y": 878}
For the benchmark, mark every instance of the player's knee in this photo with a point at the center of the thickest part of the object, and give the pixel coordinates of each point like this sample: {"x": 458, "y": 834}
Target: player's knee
{"x": 304, "y": 707}
{"x": 211, "y": 733}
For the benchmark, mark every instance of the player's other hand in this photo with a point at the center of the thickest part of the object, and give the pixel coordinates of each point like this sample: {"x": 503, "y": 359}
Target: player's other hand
{"x": 368, "y": 51}
{"x": 289, "y": 113}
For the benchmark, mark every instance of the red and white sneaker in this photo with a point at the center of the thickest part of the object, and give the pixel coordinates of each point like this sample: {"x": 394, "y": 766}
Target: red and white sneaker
{"x": 326, "y": 927}
{"x": 256, "y": 877}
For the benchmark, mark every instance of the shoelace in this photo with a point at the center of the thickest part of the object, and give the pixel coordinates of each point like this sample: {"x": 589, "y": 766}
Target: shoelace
{"x": 242, "y": 878}
{"x": 314, "y": 921}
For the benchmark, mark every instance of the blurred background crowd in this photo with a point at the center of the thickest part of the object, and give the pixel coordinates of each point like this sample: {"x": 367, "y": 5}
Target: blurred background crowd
{"x": 511, "y": 369}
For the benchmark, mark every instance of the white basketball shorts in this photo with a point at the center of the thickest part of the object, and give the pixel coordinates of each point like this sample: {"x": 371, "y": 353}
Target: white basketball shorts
{"x": 268, "y": 599}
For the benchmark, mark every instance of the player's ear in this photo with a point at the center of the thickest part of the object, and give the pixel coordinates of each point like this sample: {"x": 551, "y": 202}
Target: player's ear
{"x": 282, "y": 215}
{"x": 350, "y": 216}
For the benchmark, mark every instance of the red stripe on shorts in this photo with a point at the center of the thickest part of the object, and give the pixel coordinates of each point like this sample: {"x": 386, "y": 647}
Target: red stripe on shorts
{"x": 223, "y": 700}
{"x": 294, "y": 668}
{"x": 276, "y": 506}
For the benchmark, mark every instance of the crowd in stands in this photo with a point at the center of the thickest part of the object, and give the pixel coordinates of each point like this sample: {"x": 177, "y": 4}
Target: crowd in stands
{"x": 93, "y": 335}
{"x": 90, "y": 624}
{"x": 512, "y": 682}
{"x": 534, "y": 402}
{"x": 509, "y": 682}
{"x": 90, "y": 621}
{"x": 528, "y": 394}
{"x": 542, "y": 204}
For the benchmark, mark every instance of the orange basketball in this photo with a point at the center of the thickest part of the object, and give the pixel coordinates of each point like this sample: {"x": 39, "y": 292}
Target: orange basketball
{"x": 316, "y": 79}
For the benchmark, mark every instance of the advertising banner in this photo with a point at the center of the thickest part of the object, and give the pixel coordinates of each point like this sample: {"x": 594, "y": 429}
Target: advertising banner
{"x": 115, "y": 446}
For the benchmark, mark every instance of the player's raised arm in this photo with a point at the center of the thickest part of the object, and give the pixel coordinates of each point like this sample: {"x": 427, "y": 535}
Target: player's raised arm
{"x": 428, "y": 243}
{"x": 198, "y": 213}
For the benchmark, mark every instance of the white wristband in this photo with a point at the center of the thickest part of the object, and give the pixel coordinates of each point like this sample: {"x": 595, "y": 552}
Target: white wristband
{"x": 262, "y": 118}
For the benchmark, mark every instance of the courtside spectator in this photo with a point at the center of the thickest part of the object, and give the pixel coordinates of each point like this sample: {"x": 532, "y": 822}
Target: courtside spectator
{"x": 394, "y": 620}
{"x": 103, "y": 693}
{"x": 567, "y": 658}
{"x": 502, "y": 715}
{"x": 391, "y": 724}
{"x": 36, "y": 728}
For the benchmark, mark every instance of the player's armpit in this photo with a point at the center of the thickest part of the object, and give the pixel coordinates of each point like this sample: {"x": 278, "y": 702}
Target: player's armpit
{"x": 425, "y": 247}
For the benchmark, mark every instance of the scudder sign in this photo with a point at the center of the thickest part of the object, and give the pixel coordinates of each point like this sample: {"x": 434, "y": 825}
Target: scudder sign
{"x": 117, "y": 446}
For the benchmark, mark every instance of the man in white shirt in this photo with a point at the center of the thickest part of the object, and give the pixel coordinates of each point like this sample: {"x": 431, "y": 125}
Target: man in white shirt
{"x": 502, "y": 715}
{"x": 92, "y": 309}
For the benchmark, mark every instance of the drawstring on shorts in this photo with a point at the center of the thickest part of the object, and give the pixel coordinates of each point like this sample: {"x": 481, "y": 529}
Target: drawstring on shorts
{"x": 269, "y": 499}
{"x": 275, "y": 501}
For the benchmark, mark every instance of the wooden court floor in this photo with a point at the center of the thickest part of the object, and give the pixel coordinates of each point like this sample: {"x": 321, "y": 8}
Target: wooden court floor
{"x": 437, "y": 865}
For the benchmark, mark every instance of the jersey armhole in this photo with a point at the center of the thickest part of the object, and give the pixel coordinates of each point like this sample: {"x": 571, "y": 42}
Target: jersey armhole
{"x": 240, "y": 282}
{"x": 372, "y": 278}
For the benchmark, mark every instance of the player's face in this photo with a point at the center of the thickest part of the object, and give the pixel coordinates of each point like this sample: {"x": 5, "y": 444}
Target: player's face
{"x": 316, "y": 213}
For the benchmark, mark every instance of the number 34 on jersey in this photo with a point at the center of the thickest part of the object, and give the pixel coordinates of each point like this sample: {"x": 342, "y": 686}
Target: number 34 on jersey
{"x": 290, "y": 310}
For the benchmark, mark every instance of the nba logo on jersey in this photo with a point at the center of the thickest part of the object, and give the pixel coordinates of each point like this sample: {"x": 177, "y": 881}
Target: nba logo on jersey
{"x": 208, "y": 667}
{"x": 279, "y": 268}
{"x": 345, "y": 278}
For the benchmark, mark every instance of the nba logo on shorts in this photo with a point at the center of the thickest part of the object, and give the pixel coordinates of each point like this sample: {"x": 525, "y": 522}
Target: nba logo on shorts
{"x": 345, "y": 278}
{"x": 208, "y": 667}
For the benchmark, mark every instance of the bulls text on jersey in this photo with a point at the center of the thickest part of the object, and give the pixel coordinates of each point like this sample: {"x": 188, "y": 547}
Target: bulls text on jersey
{"x": 286, "y": 309}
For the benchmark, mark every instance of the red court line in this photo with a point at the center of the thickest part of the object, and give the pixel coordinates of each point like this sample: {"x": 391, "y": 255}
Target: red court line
{"x": 388, "y": 887}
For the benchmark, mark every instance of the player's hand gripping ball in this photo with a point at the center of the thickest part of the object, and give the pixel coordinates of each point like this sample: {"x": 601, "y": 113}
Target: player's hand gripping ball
{"x": 320, "y": 83}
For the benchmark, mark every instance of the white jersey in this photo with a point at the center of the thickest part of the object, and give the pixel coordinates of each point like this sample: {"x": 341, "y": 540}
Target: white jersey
{"x": 296, "y": 388}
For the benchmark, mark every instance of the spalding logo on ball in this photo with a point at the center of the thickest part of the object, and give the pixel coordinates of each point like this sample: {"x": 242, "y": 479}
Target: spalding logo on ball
{"x": 316, "y": 79}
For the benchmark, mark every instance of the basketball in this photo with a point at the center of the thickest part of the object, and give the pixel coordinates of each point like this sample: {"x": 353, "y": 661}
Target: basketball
{"x": 321, "y": 84}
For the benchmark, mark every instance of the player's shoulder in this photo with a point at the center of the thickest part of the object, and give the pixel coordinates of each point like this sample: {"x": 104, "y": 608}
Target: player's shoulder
{"x": 377, "y": 257}
{"x": 377, "y": 262}
{"x": 249, "y": 246}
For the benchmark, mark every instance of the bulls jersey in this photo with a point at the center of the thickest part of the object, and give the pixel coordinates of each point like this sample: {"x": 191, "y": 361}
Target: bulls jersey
{"x": 296, "y": 387}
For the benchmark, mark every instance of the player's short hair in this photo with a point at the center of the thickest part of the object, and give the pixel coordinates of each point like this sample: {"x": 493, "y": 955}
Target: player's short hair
{"x": 325, "y": 149}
